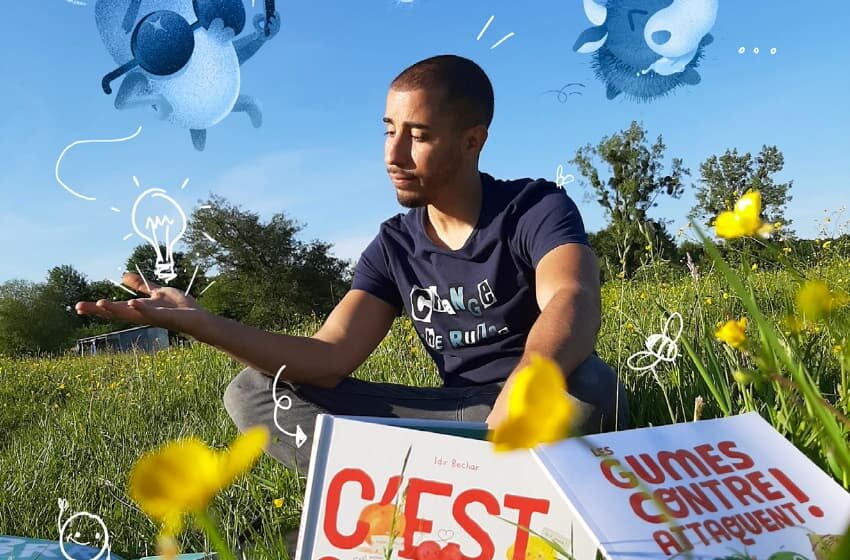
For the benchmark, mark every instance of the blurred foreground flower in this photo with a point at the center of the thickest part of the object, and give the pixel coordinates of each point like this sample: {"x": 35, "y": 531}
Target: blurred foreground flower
{"x": 183, "y": 477}
{"x": 744, "y": 220}
{"x": 539, "y": 410}
{"x": 733, "y": 333}
{"x": 815, "y": 300}
{"x": 537, "y": 548}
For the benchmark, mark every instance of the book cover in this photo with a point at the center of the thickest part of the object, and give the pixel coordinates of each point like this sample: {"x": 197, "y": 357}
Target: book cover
{"x": 733, "y": 488}
{"x": 401, "y": 489}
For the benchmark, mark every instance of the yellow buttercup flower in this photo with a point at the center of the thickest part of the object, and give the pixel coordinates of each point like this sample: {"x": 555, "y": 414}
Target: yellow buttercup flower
{"x": 539, "y": 410}
{"x": 744, "y": 220}
{"x": 733, "y": 333}
{"x": 742, "y": 377}
{"x": 183, "y": 476}
{"x": 278, "y": 502}
{"x": 536, "y": 549}
{"x": 815, "y": 300}
{"x": 792, "y": 324}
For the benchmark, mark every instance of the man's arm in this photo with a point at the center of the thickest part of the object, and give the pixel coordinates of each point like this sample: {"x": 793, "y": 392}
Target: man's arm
{"x": 567, "y": 290}
{"x": 351, "y": 332}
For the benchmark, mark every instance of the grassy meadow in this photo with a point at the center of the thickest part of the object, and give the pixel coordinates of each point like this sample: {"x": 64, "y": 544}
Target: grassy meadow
{"x": 73, "y": 426}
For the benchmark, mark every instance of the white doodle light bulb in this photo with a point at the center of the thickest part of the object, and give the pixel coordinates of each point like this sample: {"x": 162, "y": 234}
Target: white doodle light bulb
{"x": 158, "y": 219}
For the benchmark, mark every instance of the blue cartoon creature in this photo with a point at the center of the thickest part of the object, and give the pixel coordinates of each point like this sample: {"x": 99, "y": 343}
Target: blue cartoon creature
{"x": 182, "y": 58}
{"x": 647, "y": 48}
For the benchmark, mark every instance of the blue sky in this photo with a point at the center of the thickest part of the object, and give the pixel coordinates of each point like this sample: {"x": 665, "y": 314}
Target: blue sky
{"x": 322, "y": 85}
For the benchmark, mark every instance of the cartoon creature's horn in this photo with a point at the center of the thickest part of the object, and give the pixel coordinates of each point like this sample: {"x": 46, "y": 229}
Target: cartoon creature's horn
{"x": 595, "y": 11}
{"x": 676, "y": 30}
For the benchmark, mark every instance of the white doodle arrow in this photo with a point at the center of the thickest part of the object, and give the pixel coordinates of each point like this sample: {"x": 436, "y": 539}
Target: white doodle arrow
{"x": 299, "y": 435}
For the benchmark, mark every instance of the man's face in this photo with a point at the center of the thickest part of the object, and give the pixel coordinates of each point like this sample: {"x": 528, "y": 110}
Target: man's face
{"x": 423, "y": 148}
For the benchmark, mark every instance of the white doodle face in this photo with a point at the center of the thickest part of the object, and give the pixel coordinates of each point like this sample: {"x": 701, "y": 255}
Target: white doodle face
{"x": 84, "y": 529}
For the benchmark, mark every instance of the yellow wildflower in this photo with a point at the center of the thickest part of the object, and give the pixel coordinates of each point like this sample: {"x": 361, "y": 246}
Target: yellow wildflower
{"x": 742, "y": 377}
{"x": 744, "y": 220}
{"x": 754, "y": 267}
{"x": 815, "y": 300}
{"x": 278, "y": 502}
{"x": 733, "y": 333}
{"x": 536, "y": 549}
{"x": 786, "y": 250}
{"x": 725, "y": 295}
{"x": 709, "y": 301}
{"x": 183, "y": 476}
{"x": 792, "y": 324}
{"x": 539, "y": 410}
{"x": 826, "y": 244}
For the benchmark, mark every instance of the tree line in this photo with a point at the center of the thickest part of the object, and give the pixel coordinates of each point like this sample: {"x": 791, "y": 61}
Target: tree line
{"x": 266, "y": 277}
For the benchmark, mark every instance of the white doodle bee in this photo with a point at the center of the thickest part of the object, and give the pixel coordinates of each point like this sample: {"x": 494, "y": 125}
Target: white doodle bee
{"x": 83, "y": 522}
{"x": 182, "y": 58}
{"x": 659, "y": 347}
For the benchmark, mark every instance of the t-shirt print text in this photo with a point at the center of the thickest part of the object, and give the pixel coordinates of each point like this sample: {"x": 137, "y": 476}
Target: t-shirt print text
{"x": 424, "y": 302}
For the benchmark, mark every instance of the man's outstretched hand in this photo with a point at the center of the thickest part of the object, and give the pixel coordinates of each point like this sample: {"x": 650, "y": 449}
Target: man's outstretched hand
{"x": 168, "y": 308}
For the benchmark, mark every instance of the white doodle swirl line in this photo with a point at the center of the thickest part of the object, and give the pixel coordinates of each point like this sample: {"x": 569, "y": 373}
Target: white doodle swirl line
{"x": 95, "y": 141}
{"x": 299, "y": 435}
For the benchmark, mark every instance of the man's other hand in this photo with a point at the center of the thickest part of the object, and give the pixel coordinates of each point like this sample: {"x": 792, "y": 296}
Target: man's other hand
{"x": 168, "y": 308}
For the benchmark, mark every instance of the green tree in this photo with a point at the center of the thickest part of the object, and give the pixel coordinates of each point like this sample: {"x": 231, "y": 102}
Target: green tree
{"x": 266, "y": 276}
{"x": 33, "y": 319}
{"x": 635, "y": 182}
{"x": 726, "y": 178}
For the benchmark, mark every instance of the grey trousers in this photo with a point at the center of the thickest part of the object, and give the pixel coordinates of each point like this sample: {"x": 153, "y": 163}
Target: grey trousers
{"x": 593, "y": 387}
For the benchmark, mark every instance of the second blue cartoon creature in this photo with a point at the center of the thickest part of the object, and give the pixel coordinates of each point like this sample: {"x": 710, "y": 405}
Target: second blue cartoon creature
{"x": 182, "y": 58}
{"x": 647, "y": 48}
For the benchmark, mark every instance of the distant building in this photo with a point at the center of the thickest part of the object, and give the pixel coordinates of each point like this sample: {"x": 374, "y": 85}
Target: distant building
{"x": 147, "y": 338}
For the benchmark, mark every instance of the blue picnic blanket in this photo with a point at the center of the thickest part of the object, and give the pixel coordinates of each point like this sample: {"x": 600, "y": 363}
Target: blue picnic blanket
{"x": 21, "y": 548}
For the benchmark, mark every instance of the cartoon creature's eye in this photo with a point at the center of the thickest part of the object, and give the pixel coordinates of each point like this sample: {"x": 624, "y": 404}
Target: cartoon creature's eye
{"x": 163, "y": 42}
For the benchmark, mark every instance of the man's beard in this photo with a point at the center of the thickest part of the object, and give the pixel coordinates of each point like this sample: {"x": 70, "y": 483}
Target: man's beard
{"x": 416, "y": 195}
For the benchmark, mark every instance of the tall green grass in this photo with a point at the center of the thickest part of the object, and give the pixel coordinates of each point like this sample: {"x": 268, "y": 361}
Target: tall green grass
{"x": 73, "y": 426}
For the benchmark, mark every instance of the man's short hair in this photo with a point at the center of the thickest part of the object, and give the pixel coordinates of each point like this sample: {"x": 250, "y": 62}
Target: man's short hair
{"x": 468, "y": 91}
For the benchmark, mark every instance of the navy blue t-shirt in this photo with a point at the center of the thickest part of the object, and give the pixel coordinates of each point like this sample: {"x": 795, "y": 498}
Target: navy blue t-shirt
{"x": 473, "y": 308}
